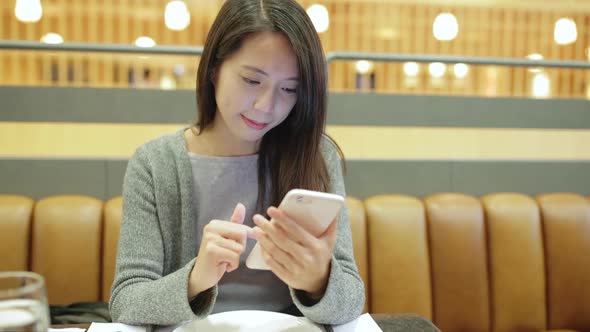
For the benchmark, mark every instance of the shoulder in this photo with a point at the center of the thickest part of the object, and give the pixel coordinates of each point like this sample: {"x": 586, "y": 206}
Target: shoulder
{"x": 331, "y": 152}
{"x": 161, "y": 147}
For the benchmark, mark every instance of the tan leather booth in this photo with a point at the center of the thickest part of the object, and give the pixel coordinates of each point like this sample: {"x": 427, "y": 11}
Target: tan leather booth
{"x": 501, "y": 262}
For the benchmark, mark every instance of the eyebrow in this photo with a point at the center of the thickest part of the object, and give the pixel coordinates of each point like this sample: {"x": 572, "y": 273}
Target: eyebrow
{"x": 260, "y": 71}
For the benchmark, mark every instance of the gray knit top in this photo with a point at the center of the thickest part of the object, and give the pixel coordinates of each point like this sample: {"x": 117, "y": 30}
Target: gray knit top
{"x": 169, "y": 195}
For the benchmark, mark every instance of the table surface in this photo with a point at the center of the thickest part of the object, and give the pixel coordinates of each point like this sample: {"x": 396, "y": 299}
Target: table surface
{"x": 387, "y": 322}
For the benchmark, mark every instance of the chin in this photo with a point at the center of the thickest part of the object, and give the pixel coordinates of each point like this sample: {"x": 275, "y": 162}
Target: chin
{"x": 249, "y": 136}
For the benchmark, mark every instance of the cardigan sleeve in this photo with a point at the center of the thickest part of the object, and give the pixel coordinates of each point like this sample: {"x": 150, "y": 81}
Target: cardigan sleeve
{"x": 141, "y": 294}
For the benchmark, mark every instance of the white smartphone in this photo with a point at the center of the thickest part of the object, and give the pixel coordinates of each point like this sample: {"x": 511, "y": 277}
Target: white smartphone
{"x": 313, "y": 210}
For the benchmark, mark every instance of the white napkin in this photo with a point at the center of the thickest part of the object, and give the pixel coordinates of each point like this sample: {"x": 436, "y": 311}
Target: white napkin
{"x": 364, "y": 323}
{"x": 115, "y": 327}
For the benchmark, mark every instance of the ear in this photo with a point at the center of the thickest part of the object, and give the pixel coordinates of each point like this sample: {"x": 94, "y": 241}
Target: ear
{"x": 214, "y": 76}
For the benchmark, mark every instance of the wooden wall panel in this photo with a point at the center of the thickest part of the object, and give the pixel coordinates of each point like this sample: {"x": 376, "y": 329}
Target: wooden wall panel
{"x": 386, "y": 26}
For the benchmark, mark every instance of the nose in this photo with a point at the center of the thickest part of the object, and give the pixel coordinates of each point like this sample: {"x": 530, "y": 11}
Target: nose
{"x": 265, "y": 102}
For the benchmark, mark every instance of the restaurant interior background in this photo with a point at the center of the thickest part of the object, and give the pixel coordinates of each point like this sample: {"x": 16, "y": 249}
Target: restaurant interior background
{"x": 69, "y": 121}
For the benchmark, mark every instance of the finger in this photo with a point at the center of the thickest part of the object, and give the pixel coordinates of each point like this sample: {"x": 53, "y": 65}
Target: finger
{"x": 229, "y": 244}
{"x": 330, "y": 235}
{"x": 279, "y": 238}
{"x": 331, "y": 230}
{"x": 236, "y": 232}
{"x": 277, "y": 268}
{"x": 221, "y": 255}
{"x": 291, "y": 227}
{"x": 286, "y": 258}
{"x": 239, "y": 214}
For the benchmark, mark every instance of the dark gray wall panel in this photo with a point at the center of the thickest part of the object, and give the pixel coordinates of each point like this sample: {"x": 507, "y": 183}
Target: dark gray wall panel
{"x": 373, "y": 177}
{"x": 48, "y": 104}
{"x": 453, "y": 111}
{"x": 42, "y": 178}
{"x": 482, "y": 177}
{"x": 115, "y": 170}
{"x": 51, "y": 104}
{"x": 104, "y": 178}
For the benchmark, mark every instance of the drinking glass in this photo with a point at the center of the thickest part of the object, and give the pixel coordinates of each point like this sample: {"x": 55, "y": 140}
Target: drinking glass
{"x": 23, "y": 302}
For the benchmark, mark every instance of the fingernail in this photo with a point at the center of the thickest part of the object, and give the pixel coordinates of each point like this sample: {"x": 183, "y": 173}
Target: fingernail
{"x": 251, "y": 234}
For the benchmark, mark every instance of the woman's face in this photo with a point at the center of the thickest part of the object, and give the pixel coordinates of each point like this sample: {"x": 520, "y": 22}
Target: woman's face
{"x": 255, "y": 87}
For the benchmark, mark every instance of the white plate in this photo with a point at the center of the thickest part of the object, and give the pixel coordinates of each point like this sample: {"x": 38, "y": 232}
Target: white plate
{"x": 250, "y": 321}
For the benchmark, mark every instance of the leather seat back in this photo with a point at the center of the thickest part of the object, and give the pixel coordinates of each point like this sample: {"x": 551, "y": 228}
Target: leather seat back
{"x": 113, "y": 211}
{"x": 459, "y": 262}
{"x": 566, "y": 226}
{"x": 517, "y": 270}
{"x": 399, "y": 271}
{"x": 15, "y": 230}
{"x": 358, "y": 227}
{"x": 66, "y": 247}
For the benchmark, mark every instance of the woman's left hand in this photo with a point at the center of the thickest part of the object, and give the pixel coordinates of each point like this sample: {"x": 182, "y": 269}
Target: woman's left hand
{"x": 298, "y": 258}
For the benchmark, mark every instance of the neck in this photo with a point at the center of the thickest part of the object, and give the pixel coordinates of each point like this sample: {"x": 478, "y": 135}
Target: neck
{"x": 216, "y": 140}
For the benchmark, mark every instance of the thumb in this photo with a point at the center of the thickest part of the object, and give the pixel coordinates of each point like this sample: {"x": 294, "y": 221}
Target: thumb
{"x": 239, "y": 214}
{"x": 330, "y": 232}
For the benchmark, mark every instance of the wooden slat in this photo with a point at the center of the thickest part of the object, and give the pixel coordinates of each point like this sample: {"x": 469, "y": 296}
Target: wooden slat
{"x": 353, "y": 27}
{"x": 494, "y": 33}
{"x": 338, "y": 67}
{"x": 566, "y": 53}
{"x": 3, "y": 35}
{"x": 398, "y": 77}
{"x": 29, "y": 57}
{"x": 62, "y": 57}
{"x": 545, "y": 39}
{"x": 108, "y": 34}
{"x": 508, "y": 42}
{"x": 13, "y": 75}
{"x": 587, "y": 51}
{"x": 78, "y": 37}
{"x": 520, "y": 51}
{"x": 379, "y": 45}
{"x": 578, "y": 77}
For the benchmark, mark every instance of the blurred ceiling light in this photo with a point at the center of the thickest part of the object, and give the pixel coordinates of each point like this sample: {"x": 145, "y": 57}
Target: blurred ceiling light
{"x": 177, "y": 16}
{"x": 411, "y": 69}
{"x": 445, "y": 27}
{"x": 460, "y": 70}
{"x": 387, "y": 33}
{"x": 319, "y": 16}
{"x": 541, "y": 85}
{"x": 167, "y": 82}
{"x": 179, "y": 69}
{"x": 144, "y": 41}
{"x": 52, "y": 38}
{"x": 363, "y": 66}
{"x": 29, "y": 11}
{"x": 437, "y": 69}
{"x": 565, "y": 31}
{"x": 535, "y": 56}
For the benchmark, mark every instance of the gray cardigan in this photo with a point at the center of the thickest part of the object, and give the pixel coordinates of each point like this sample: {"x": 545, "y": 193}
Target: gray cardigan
{"x": 156, "y": 245}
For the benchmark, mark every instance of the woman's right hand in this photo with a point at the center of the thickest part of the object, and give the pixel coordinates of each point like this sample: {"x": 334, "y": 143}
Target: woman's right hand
{"x": 221, "y": 246}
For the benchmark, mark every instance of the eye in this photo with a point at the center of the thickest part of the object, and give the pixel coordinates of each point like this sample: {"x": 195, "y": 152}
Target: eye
{"x": 291, "y": 91}
{"x": 249, "y": 81}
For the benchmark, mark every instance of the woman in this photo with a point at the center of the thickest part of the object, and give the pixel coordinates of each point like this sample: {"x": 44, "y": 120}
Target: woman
{"x": 202, "y": 191}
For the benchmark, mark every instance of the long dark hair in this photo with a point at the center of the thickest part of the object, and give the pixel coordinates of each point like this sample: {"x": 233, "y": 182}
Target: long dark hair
{"x": 289, "y": 154}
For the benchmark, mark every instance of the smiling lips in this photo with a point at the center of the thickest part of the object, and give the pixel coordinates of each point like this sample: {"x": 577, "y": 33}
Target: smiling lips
{"x": 253, "y": 124}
